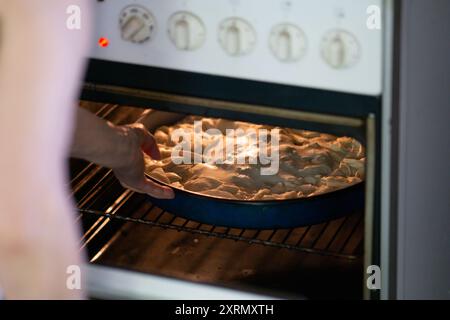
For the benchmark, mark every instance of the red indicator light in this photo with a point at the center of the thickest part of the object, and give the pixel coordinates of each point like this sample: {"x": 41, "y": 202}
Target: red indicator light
{"x": 103, "y": 42}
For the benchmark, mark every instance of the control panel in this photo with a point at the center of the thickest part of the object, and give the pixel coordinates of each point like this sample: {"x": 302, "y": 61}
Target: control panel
{"x": 324, "y": 44}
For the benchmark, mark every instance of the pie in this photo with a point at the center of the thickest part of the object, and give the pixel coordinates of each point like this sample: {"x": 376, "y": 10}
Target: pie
{"x": 310, "y": 163}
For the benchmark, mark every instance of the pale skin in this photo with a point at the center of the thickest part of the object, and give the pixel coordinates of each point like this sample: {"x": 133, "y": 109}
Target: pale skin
{"x": 120, "y": 148}
{"x": 41, "y": 67}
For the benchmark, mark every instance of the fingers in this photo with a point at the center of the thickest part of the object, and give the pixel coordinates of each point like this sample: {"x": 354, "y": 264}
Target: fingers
{"x": 150, "y": 147}
{"x": 156, "y": 190}
{"x": 148, "y": 143}
{"x": 151, "y": 188}
{"x": 132, "y": 176}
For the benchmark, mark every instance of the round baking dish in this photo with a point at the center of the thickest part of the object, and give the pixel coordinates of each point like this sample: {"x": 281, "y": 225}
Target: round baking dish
{"x": 264, "y": 214}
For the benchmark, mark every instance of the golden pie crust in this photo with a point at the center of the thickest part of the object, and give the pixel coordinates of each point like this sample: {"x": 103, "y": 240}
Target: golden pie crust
{"x": 310, "y": 164}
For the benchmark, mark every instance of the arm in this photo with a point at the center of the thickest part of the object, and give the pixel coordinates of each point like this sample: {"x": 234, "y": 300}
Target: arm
{"x": 41, "y": 65}
{"x": 120, "y": 148}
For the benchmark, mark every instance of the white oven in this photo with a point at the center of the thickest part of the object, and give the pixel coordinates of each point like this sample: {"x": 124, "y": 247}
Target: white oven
{"x": 328, "y": 65}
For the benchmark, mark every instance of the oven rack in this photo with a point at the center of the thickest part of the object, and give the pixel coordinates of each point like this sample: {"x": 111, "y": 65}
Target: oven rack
{"x": 336, "y": 238}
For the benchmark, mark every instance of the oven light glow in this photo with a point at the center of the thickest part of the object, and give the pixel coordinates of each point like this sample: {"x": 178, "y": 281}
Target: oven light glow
{"x": 103, "y": 42}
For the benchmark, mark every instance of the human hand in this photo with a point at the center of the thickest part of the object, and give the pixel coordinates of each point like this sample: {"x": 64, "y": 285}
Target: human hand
{"x": 136, "y": 141}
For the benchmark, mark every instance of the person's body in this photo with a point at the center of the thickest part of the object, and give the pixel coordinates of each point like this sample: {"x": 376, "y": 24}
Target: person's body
{"x": 41, "y": 67}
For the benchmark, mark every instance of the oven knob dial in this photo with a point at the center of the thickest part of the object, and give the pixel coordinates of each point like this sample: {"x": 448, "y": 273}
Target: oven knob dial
{"x": 287, "y": 42}
{"x": 186, "y": 31}
{"x": 137, "y": 24}
{"x": 340, "y": 49}
{"x": 236, "y": 36}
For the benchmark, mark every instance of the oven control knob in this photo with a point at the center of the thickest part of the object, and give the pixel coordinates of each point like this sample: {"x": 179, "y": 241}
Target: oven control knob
{"x": 186, "y": 31}
{"x": 287, "y": 42}
{"x": 137, "y": 24}
{"x": 236, "y": 36}
{"x": 340, "y": 49}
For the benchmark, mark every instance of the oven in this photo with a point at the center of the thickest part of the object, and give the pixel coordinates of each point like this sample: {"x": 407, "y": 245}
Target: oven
{"x": 314, "y": 65}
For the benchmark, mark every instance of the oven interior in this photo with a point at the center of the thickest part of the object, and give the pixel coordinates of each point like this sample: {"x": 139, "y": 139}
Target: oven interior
{"x": 124, "y": 229}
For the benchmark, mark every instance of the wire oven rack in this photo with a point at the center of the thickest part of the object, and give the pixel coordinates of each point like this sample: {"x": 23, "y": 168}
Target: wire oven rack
{"x": 102, "y": 201}
{"x": 262, "y": 237}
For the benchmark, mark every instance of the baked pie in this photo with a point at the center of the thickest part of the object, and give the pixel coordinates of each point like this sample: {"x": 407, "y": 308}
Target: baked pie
{"x": 310, "y": 163}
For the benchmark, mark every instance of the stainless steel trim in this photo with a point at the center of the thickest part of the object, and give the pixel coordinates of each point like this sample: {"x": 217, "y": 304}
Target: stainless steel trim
{"x": 385, "y": 219}
{"x": 230, "y": 106}
{"x": 112, "y": 283}
{"x": 370, "y": 193}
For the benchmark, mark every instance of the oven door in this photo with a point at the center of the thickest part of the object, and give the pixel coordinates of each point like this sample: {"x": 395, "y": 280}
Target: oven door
{"x": 139, "y": 250}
